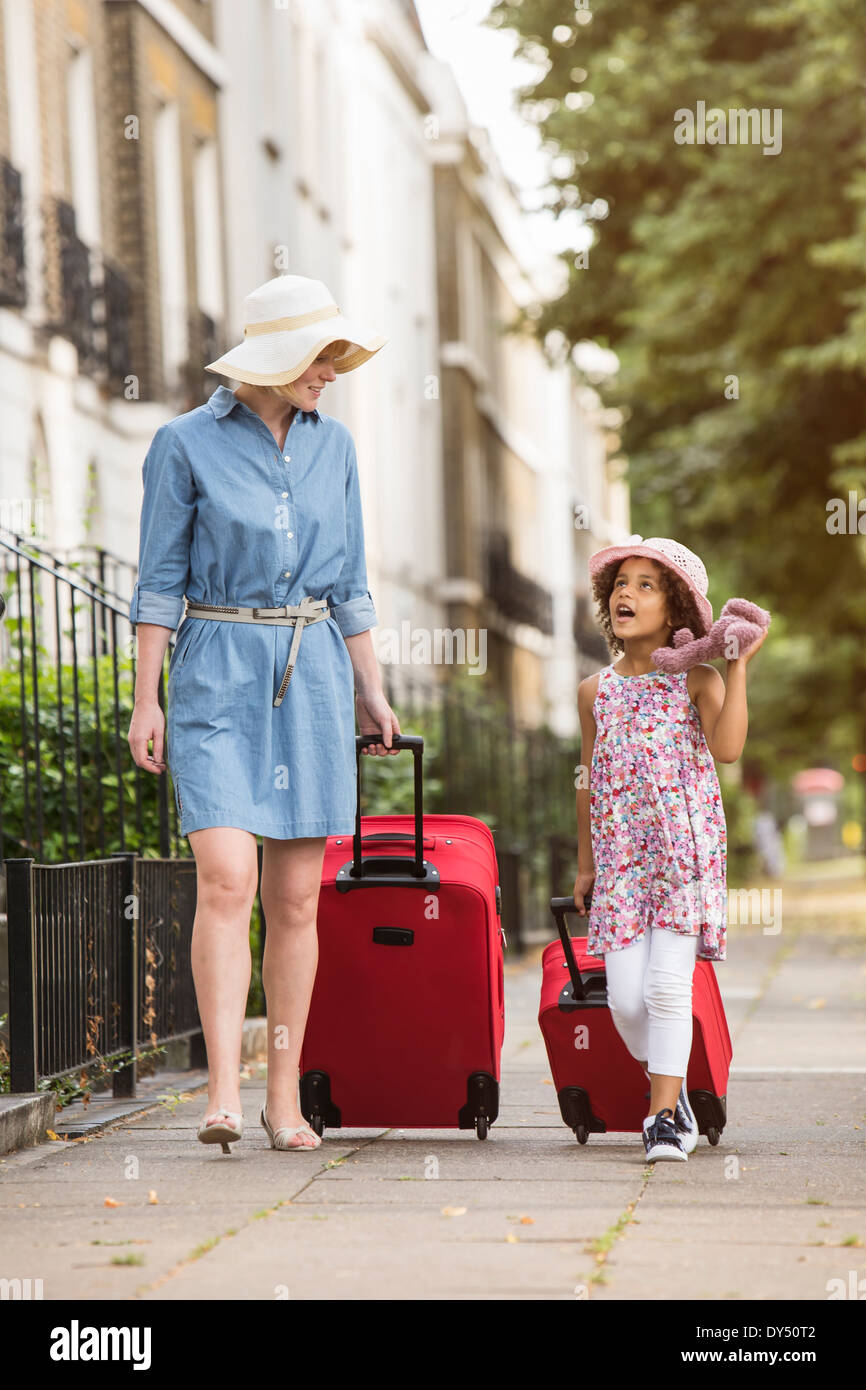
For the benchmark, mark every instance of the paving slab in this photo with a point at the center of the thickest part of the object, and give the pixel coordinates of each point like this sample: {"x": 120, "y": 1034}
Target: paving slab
{"x": 775, "y": 1212}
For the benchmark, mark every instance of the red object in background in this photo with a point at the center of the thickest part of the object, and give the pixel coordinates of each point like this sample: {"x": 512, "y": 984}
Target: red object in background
{"x": 407, "y": 1015}
{"x": 601, "y": 1088}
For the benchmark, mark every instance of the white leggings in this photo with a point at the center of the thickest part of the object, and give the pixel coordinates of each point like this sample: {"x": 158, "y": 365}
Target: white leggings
{"x": 649, "y": 990}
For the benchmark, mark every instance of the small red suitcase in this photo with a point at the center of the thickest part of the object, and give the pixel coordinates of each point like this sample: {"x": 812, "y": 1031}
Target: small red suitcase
{"x": 407, "y": 1015}
{"x": 600, "y": 1087}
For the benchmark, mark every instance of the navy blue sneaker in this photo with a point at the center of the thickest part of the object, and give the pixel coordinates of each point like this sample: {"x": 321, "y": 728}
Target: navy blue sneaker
{"x": 685, "y": 1122}
{"x": 661, "y": 1140}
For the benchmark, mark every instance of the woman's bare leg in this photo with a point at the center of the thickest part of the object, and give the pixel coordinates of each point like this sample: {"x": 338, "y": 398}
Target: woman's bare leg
{"x": 226, "y": 878}
{"x": 291, "y": 879}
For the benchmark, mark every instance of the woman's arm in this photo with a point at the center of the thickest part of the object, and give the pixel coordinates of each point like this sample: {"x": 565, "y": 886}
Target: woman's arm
{"x": 148, "y": 720}
{"x": 722, "y": 705}
{"x": 375, "y": 715}
{"x": 156, "y": 606}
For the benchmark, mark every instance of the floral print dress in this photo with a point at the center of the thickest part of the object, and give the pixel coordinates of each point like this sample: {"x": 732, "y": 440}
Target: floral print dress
{"x": 657, "y": 821}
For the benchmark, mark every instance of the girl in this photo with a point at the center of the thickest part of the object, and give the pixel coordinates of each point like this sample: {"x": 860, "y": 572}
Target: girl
{"x": 651, "y": 826}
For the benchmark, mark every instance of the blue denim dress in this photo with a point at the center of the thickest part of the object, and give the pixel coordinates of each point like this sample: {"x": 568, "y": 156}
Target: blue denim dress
{"x": 229, "y": 519}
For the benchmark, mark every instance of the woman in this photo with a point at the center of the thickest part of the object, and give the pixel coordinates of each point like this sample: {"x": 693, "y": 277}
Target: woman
{"x": 252, "y": 510}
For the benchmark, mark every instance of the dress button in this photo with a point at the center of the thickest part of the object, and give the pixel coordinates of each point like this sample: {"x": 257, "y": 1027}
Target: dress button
{"x": 290, "y": 534}
{"x": 287, "y": 573}
{"x": 287, "y": 457}
{"x": 284, "y": 494}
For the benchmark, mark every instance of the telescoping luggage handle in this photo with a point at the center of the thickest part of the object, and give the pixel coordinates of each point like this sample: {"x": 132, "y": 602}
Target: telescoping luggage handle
{"x": 559, "y": 907}
{"x": 377, "y": 871}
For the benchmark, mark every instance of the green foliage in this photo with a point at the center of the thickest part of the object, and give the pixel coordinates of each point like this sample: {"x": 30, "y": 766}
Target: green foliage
{"x": 717, "y": 266}
{"x": 111, "y": 779}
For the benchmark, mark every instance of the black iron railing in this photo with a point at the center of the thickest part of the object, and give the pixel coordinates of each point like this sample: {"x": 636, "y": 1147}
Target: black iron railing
{"x": 479, "y": 761}
{"x": 70, "y": 789}
{"x": 89, "y": 300}
{"x": 99, "y": 967}
{"x": 516, "y": 595}
{"x": 115, "y": 316}
{"x": 13, "y": 281}
{"x": 76, "y": 319}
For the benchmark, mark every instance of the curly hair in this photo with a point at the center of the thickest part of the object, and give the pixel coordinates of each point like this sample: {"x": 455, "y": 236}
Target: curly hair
{"x": 682, "y": 611}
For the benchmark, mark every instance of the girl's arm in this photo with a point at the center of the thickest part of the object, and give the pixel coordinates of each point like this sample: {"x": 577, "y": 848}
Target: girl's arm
{"x": 722, "y": 705}
{"x": 586, "y": 693}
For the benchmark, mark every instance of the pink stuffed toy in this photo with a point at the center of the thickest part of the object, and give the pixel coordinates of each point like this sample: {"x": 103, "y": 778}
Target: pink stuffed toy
{"x": 735, "y": 632}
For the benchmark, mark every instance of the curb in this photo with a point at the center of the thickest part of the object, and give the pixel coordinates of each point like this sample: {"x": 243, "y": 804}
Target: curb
{"x": 25, "y": 1118}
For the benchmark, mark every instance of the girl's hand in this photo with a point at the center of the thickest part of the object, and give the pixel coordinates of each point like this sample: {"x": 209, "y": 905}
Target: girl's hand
{"x": 750, "y": 653}
{"x": 148, "y": 721}
{"x": 582, "y": 885}
{"x": 375, "y": 716}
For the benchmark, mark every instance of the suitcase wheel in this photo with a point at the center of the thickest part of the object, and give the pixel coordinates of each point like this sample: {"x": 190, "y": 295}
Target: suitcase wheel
{"x": 481, "y": 1126}
{"x": 581, "y": 1134}
{"x": 713, "y": 1136}
{"x": 317, "y": 1125}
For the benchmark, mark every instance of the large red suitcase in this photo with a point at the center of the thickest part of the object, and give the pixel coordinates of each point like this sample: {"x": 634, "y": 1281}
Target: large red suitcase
{"x": 407, "y": 1015}
{"x": 599, "y": 1085}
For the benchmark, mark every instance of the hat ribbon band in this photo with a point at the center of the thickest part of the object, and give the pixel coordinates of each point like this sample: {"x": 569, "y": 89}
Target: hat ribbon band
{"x": 297, "y": 321}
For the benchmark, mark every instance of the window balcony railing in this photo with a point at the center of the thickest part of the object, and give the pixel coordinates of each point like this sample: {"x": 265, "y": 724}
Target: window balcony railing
{"x": 13, "y": 282}
{"x": 515, "y": 595}
{"x": 88, "y": 298}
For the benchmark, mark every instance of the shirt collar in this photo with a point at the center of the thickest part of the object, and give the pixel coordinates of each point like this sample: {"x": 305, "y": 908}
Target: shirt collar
{"x": 223, "y": 400}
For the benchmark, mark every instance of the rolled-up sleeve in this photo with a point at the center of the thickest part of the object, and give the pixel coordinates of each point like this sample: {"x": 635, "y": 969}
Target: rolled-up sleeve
{"x": 167, "y": 515}
{"x": 350, "y": 600}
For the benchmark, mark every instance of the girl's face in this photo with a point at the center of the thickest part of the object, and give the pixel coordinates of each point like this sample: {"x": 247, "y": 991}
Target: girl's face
{"x": 638, "y": 603}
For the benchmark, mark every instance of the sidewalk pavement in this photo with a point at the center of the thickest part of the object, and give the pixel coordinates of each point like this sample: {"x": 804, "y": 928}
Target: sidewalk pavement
{"x": 776, "y": 1211}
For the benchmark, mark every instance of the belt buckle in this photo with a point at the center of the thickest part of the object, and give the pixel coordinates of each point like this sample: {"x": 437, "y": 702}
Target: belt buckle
{"x": 281, "y": 612}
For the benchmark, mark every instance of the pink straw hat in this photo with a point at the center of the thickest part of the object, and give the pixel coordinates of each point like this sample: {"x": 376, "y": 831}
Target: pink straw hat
{"x": 684, "y": 563}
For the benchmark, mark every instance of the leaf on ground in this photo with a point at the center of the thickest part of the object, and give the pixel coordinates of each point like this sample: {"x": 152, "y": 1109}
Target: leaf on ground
{"x": 546, "y": 1081}
{"x": 453, "y": 1211}
{"x": 52, "y": 1135}
{"x": 152, "y": 1198}
{"x": 816, "y": 1003}
{"x": 110, "y": 1202}
{"x": 527, "y": 1220}
{"x": 511, "y": 1239}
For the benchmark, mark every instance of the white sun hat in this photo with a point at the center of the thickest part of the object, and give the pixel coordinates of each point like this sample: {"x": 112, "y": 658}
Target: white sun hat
{"x": 287, "y": 323}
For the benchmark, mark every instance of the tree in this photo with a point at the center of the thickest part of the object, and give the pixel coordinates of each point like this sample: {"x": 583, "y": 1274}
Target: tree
{"x": 730, "y": 282}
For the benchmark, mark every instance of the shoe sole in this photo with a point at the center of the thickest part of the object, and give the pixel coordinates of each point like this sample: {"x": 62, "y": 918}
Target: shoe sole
{"x": 665, "y": 1152}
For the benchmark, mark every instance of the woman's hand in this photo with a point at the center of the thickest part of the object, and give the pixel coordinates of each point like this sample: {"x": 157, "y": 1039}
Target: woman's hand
{"x": 375, "y": 716}
{"x": 148, "y": 722}
{"x": 582, "y": 885}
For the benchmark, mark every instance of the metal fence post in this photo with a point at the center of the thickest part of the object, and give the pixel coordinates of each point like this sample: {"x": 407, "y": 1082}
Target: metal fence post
{"x": 124, "y": 1080}
{"x": 23, "y": 1020}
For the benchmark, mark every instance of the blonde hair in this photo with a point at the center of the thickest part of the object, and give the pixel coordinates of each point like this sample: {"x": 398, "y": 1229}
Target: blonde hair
{"x": 286, "y": 392}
